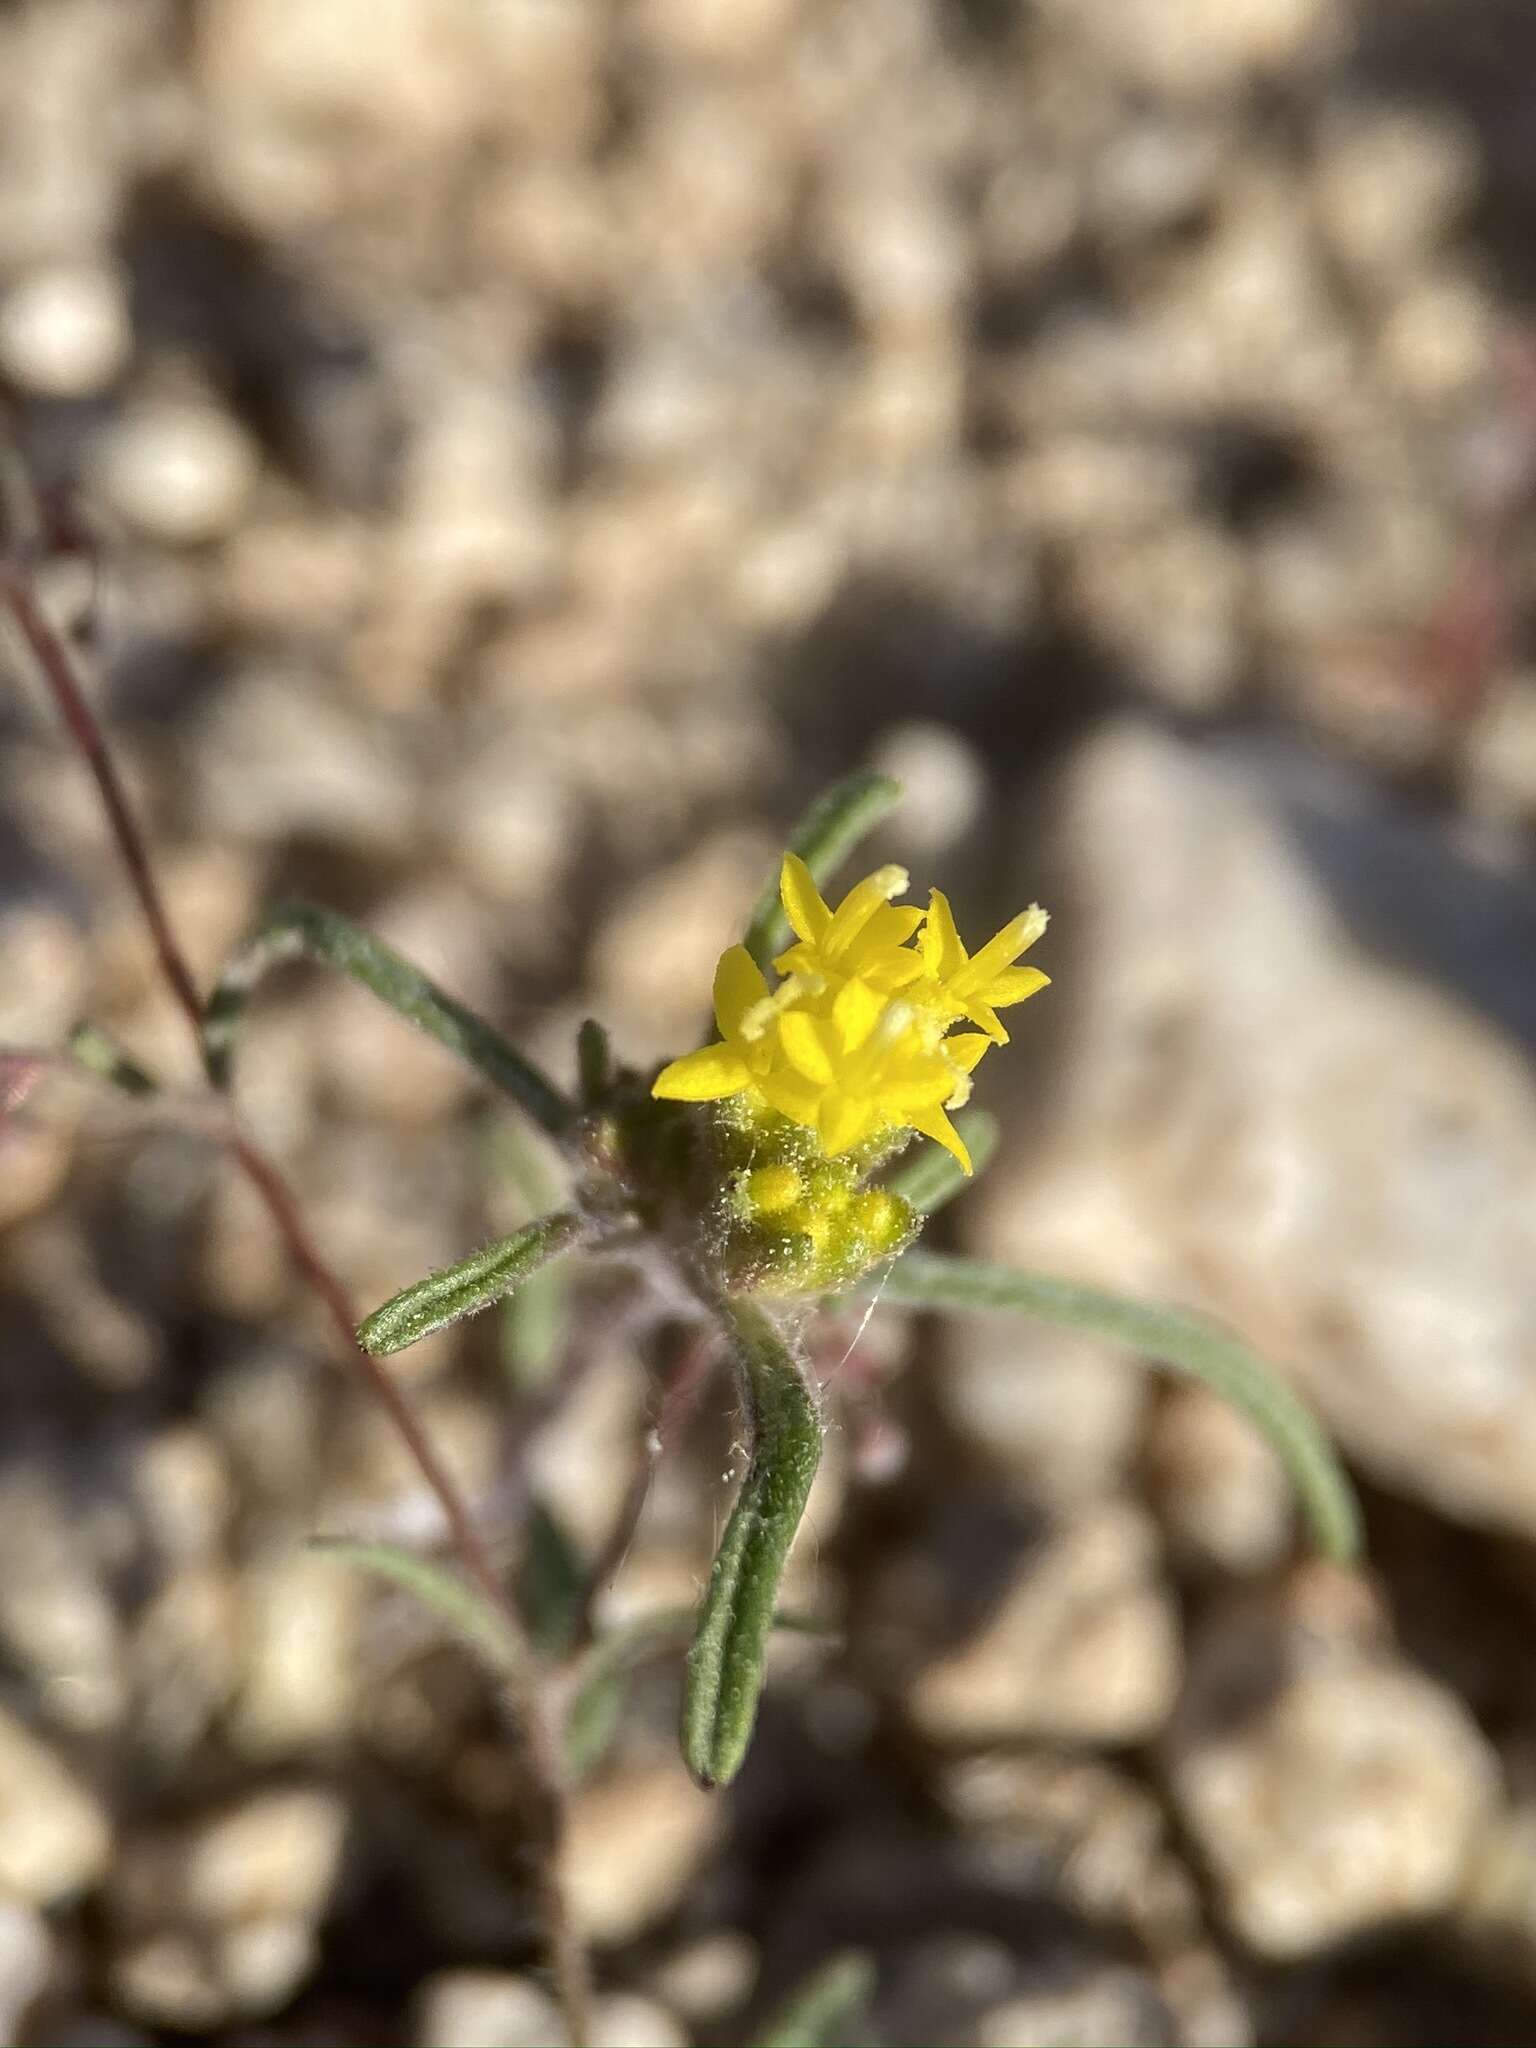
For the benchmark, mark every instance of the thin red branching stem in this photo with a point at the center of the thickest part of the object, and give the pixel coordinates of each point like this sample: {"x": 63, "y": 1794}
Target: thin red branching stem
{"x": 56, "y": 665}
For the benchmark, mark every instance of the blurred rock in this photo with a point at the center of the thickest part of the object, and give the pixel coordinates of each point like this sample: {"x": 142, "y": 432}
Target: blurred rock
{"x": 1219, "y": 1489}
{"x": 218, "y": 1921}
{"x": 1256, "y": 1115}
{"x": 1107, "y": 2005}
{"x": 1332, "y": 1790}
{"x": 26, "y": 1963}
{"x": 64, "y": 331}
{"x": 638, "y": 1837}
{"x": 55, "y": 1835}
{"x": 468, "y": 2008}
{"x": 705, "y": 1979}
{"x": 301, "y": 1654}
{"x": 1058, "y": 1416}
{"x": 180, "y": 471}
{"x": 1082, "y": 1647}
{"x": 57, "y": 1616}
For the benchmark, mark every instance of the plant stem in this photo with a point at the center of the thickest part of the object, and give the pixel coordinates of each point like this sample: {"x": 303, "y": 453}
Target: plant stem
{"x": 56, "y": 665}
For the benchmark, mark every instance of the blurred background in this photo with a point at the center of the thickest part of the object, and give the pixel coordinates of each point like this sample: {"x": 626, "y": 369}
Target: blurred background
{"x": 531, "y": 445}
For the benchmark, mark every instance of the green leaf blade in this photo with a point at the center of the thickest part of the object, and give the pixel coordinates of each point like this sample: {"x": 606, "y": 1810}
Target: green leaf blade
{"x": 824, "y": 837}
{"x": 292, "y": 930}
{"x": 1177, "y": 1339}
{"x": 724, "y": 1675}
{"x": 434, "y": 1586}
{"x": 468, "y": 1285}
{"x": 817, "y": 2015}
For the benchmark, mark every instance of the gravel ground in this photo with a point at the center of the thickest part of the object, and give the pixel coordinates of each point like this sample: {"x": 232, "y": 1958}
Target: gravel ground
{"x": 529, "y": 446}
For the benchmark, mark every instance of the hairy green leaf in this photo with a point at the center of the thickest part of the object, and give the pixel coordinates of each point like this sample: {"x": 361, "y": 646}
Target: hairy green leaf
{"x": 724, "y": 1674}
{"x": 818, "y": 2015}
{"x": 824, "y": 837}
{"x": 468, "y": 1285}
{"x": 436, "y": 1587}
{"x": 291, "y": 930}
{"x": 1174, "y": 1337}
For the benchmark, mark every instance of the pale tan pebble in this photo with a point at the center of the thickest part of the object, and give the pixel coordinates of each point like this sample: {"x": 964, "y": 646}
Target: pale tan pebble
{"x": 405, "y": 69}
{"x": 183, "y": 1485}
{"x": 1082, "y": 1647}
{"x": 1057, "y": 1414}
{"x": 467, "y": 2008}
{"x": 27, "y": 1963}
{"x": 583, "y": 1456}
{"x": 787, "y": 573}
{"x": 717, "y": 32}
{"x": 298, "y": 571}
{"x": 57, "y": 1615}
{"x": 46, "y": 975}
{"x": 545, "y": 75}
{"x": 1089, "y": 487}
{"x": 1499, "y": 752}
{"x": 35, "y": 1160}
{"x": 1109, "y": 2003}
{"x": 1154, "y": 174}
{"x": 909, "y": 405}
{"x": 55, "y": 1834}
{"x": 654, "y": 958}
{"x": 637, "y": 1839}
{"x": 1331, "y": 1788}
{"x": 1194, "y": 48}
{"x": 181, "y": 471}
{"x": 183, "y": 1657}
{"x": 1168, "y": 603}
{"x": 708, "y": 1977}
{"x": 275, "y": 1853}
{"x": 1391, "y": 183}
{"x": 242, "y": 1267}
{"x": 514, "y": 826}
{"x": 1440, "y": 340}
{"x": 265, "y": 1405}
{"x": 279, "y": 752}
{"x": 898, "y": 250}
{"x": 302, "y": 1664}
{"x": 1219, "y": 1488}
{"x": 64, "y": 330}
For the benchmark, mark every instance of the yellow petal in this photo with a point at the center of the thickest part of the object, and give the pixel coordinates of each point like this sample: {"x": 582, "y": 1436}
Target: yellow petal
{"x": 702, "y": 1076}
{"x": 784, "y": 1091}
{"x": 844, "y": 1119}
{"x": 809, "y": 917}
{"x": 943, "y": 954}
{"x": 860, "y": 905}
{"x": 888, "y": 927}
{"x": 933, "y": 1123}
{"x": 801, "y": 1039}
{"x": 966, "y": 1048}
{"x": 1013, "y": 985}
{"x": 1000, "y": 951}
{"x": 739, "y": 984}
{"x": 855, "y": 1013}
{"x": 986, "y": 1019}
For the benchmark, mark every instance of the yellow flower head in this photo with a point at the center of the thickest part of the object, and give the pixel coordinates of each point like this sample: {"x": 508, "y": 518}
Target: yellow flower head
{"x": 855, "y": 1041}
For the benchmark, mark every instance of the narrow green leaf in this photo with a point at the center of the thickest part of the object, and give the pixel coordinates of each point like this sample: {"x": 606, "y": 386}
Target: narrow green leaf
{"x": 551, "y": 1584}
{"x": 824, "y": 837}
{"x": 294, "y": 929}
{"x": 724, "y": 1674}
{"x": 99, "y": 1052}
{"x": 603, "y": 1675}
{"x": 930, "y": 1176}
{"x": 435, "y": 1586}
{"x": 1174, "y": 1337}
{"x": 468, "y": 1285}
{"x": 819, "y": 2014}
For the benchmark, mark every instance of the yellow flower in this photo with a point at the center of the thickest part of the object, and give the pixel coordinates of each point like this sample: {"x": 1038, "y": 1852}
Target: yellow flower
{"x": 866, "y": 935}
{"x": 852, "y": 1044}
{"x": 976, "y": 986}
